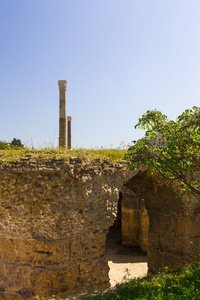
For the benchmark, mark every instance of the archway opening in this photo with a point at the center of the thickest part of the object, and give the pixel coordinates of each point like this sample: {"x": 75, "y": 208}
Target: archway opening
{"x": 126, "y": 258}
{"x": 173, "y": 231}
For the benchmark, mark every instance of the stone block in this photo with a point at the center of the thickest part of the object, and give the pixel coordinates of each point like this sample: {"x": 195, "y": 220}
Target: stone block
{"x": 45, "y": 282}
{"x": 156, "y": 260}
{"x": 144, "y": 219}
{"x": 144, "y": 238}
{"x": 175, "y": 262}
{"x": 93, "y": 245}
{"x": 76, "y": 248}
{"x": 94, "y": 273}
{"x": 87, "y": 246}
{"x": 131, "y": 202}
{"x": 11, "y": 296}
{"x": 36, "y": 253}
{"x": 134, "y": 219}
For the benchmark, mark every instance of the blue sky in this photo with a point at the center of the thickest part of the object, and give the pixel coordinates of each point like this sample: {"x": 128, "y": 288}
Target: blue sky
{"x": 120, "y": 58}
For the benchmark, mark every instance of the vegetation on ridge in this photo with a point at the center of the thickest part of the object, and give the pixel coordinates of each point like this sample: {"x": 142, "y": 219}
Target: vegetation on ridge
{"x": 13, "y": 155}
{"x": 14, "y": 144}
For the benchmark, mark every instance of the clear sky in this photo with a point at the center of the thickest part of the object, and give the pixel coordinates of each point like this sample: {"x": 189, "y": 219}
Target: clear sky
{"x": 120, "y": 58}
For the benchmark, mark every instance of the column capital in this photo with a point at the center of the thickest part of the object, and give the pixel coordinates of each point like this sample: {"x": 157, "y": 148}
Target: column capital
{"x": 62, "y": 84}
{"x": 69, "y": 118}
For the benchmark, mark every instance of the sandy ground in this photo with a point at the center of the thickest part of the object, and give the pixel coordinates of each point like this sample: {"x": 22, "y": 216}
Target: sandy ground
{"x": 123, "y": 261}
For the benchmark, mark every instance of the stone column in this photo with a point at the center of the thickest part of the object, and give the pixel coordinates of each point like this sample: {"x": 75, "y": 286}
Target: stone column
{"x": 69, "y": 137}
{"x": 62, "y": 113}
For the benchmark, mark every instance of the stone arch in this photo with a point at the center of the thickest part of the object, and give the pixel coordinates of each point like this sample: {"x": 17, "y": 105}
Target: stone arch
{"x": 126, "y": 241}
{"x": 174, "y": 222}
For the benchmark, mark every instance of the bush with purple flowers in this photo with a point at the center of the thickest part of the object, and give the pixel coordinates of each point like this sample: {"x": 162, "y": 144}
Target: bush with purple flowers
{"x": 171, "y": 149}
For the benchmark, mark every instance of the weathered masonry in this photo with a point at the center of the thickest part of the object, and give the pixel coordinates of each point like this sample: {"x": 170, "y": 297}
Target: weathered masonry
{"x": 55, "y": 215}
{"x": 62, "y": 113}
{"x": 64, "y": 140}
{"x": 134, "y": 219}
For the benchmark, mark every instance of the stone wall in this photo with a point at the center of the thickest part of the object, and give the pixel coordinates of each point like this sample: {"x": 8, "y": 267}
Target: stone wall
{"x": 54, "y": 217}
{"x": 135, "y": 220}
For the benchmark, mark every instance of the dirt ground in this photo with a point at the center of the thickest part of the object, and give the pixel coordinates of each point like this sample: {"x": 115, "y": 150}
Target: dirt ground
{"x": 124, "y": 261}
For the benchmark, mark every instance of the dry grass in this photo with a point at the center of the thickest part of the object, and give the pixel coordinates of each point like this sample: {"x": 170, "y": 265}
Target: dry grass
{"x": 13, "y": 155}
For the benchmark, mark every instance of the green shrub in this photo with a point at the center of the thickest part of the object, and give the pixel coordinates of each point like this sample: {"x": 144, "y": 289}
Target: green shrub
{"x": 3, "y": 145}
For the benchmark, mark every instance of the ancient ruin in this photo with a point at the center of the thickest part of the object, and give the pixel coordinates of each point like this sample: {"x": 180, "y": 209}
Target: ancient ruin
{"x": 69, "y": 134}
{"x": 56, "y": 213}
{"x": 65, "y": 140}
{"x": 62, "y": 114}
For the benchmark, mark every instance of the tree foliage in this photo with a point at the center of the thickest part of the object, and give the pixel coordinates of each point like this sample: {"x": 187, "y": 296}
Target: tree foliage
{"x": 17, "y": 143}
{"x": 170, "y": 148}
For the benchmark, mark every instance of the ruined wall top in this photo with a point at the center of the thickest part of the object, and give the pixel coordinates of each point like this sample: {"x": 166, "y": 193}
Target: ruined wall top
{"x": 77, "y": 167}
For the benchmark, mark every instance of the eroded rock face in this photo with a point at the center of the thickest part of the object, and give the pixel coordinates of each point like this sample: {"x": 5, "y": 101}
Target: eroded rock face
{"x": 54, "y": 217}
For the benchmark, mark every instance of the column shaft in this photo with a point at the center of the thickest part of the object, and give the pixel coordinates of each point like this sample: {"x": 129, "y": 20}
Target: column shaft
{"x": 62, "y": 114}
{"x": 69, "y": 136}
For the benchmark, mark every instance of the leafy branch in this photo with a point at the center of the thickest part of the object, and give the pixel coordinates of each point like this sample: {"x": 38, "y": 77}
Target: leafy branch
{"x": 170, "y": 148}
